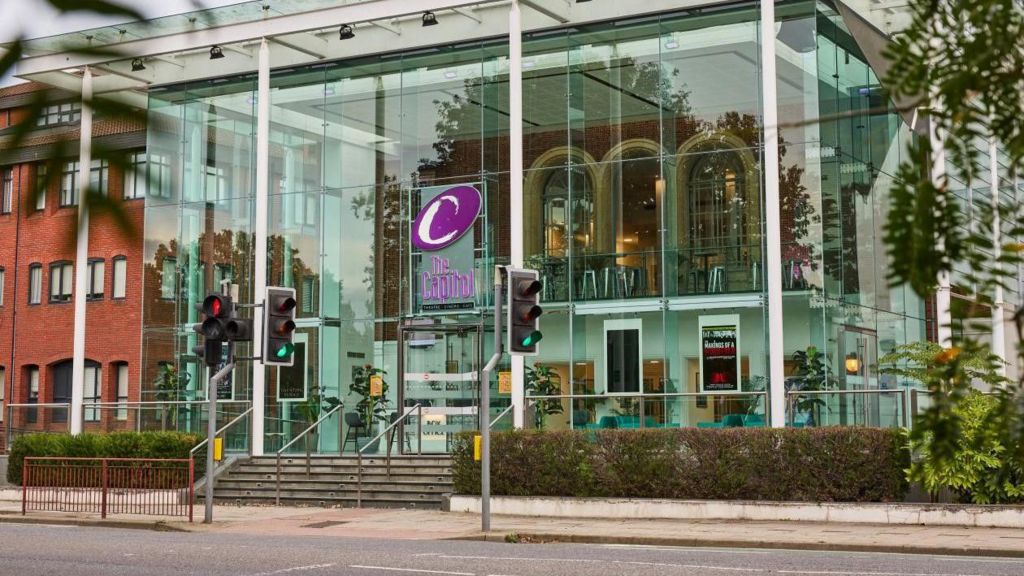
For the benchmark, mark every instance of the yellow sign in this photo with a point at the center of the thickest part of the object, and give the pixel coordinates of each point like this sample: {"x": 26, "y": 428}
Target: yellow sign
{"x": 504, "y": 382}
{"x": 476, "y": 448}
{"x": 218, "y": 449}
{"x": 376, "y": 386}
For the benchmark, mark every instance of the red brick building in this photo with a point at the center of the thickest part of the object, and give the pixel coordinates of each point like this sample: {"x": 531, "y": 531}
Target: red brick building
{"x": 37, "y": 258}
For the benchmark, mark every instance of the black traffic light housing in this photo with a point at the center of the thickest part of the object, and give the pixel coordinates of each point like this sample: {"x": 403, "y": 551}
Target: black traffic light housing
{"x": 279, "y": 326}
{"x": 217, "y": 311}
{"x": 523, "y": 318}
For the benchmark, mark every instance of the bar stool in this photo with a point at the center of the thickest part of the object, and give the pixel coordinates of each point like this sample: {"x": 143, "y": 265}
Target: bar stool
{"x": 697, "y": 279}
{"x": 716, "y": 280}
{"x": 638, "y": 281}
{"x": 611, "y": 278}
{"x": 589, "y": 276}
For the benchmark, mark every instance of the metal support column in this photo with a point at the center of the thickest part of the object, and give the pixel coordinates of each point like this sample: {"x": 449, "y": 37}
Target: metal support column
{"x": 515, "y": 155}
{"x": 773, "y": 225}
{"x": 81, "y": 255}
{"x": 260, "y": 228}
{"x": 998, "y": 300}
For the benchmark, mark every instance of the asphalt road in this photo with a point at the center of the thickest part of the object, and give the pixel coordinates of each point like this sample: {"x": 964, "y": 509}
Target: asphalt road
{"x": 36, "y": 550}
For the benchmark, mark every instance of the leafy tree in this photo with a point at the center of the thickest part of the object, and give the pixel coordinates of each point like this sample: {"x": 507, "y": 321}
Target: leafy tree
{"x": 960, "y": 64}
{"x": 544, "y": 381}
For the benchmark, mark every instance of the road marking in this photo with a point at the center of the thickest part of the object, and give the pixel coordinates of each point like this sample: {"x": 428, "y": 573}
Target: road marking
{"x": 596, "y": 561}
{"x": 683, "y": 548}
{"x": 976, "y": 559}
{"x": 295, "y": 569}
{"x": 393, "y": 569}
{"x": 860, "y": 573}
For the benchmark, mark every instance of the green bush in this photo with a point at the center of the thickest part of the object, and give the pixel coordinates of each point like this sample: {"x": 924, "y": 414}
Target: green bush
{"x": 113, "y": 445}
{"x": 982, "y": 470}
{"x": 835, "y": 464}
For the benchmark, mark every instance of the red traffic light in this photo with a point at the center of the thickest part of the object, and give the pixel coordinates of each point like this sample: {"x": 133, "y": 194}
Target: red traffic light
{"x": 526, "y": 288}
{"x": 283, "y": 304}
{"x": 216, "y": 306}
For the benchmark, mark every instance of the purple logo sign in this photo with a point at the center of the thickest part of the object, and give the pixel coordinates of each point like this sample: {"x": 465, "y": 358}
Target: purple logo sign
{"x": 445, "y": 218}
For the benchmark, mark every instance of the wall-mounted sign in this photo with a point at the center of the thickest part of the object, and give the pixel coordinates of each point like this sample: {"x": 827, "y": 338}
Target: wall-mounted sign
{"x": 720, "y": 353}
{"x": 504, "y": 382}
{"x": 376, "y": 386}
{"x": 445, "y": 273}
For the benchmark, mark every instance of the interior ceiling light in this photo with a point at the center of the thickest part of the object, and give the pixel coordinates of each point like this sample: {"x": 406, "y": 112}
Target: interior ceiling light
{"x": 216, "y": 52}
{"x": 137, "y": 65}
{"x": 429, "y": 19}
{"x": 345, "y": 32}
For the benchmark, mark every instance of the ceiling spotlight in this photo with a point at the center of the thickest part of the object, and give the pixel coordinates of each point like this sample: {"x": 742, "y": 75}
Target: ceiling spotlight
{"x": 137, "y": 65}
{"x": 429, "y": 19}
{"x": 345, "y": 32}
{"x": 216, "y": 52}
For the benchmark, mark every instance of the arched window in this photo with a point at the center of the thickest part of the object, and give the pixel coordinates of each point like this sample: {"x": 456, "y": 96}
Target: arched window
{"x": 718, "y": 206}
{"x": 568, "y": 208}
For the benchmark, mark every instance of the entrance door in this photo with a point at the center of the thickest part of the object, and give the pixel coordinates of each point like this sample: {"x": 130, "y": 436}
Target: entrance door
{"x": 858, "y": 364}
{"x": 438, "y": 369}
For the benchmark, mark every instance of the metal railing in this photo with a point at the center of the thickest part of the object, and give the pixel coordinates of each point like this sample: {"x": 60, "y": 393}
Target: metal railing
{"x": 901, "y": 418}
{"x": 160, "y": 487}
{"x": 757, "y": 411}
{"x": 305, "y": 434}
{"x": 220, "y": 431}
{"x": 418, "y": 408}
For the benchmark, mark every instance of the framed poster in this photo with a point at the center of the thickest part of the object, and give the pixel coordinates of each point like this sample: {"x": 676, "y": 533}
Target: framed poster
{"x": 719, "y": 353}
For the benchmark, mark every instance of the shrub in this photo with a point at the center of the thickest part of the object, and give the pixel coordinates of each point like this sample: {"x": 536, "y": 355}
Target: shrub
{"x": 835, "y": 464}
{"x": 113, "y": 445}
{"x": 982, "y": 470}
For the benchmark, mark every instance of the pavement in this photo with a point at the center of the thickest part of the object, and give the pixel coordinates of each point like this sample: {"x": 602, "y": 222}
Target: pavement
{"x": 370, "y": 523}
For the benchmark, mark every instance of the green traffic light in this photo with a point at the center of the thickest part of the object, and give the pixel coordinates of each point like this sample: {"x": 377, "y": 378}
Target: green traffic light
{"x": 532, "y": 339}
{"x": 285, "y": 350}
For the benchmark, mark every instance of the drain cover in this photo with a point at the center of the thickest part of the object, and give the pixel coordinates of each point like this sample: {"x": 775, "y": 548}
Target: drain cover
{"x": 325, "y": 524}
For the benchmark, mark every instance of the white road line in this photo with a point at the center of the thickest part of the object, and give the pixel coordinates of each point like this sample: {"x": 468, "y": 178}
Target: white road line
{"x": 394, "y": 569}
{"x": 975, "y": 559}
{"x": 861, "y": 573}
{"x": 596, "y": 561}
{"x": 683, "y": 548}
{"x": 295, "y": 569}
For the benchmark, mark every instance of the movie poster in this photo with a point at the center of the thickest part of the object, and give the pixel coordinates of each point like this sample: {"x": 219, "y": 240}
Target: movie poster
{"x": 720, "y": 353}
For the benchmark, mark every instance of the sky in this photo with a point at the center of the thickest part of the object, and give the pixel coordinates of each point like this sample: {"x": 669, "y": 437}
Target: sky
{"x": 36, "y": 18}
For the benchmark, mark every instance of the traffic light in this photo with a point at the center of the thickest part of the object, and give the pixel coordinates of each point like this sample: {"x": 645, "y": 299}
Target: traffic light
{"x": 523, "y": 312}
{"x": 217, "y": 310}
{"x": 279, "y": 326}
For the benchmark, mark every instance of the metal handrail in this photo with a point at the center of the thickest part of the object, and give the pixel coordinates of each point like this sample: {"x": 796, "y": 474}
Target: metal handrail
{"x": 501, "y": 415}
{"x": 646, "y": 395}
{"x": 359, "y": 453}
{"x": 164, "y": 403}
{"x": 277, "y": 497}
{"x": 220, "y": 431}
{"x": 902, "y": 392}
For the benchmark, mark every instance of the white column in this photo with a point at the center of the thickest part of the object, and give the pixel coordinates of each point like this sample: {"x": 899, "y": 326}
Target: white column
{"x": 515, "y": 155}
{"x": 998, "y": 302}
{"x": 81, "y": 255}
{"x": 259, "y": 376}
{"x": 943, "y": 314}
{"x": 773, "y": 223}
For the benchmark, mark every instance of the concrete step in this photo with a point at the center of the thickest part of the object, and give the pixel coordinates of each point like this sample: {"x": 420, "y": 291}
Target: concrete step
{"x": 297, "y": 484}
{"x": 350, "y": 460}
{"x": 327, "y": 502}
{"x": 338, "y": 497}
{"x": 243, "y": 475}
{"x": 317, "y": 469}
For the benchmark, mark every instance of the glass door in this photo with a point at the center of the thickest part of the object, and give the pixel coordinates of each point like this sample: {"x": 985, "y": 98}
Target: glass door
{"x": 859, "y": 402}
{"x": 439, "y": 371}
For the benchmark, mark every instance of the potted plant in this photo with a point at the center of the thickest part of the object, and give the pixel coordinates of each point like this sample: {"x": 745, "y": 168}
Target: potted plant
{"x": 544, "y": 381}
{"x": 311, "y": 409}
{"x": 373, "y": 404}
{"x": 170, "y": 385}
{"x": 811, "y": 375}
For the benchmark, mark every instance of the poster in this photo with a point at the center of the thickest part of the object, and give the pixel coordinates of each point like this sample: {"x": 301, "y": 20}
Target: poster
{"x": 504, "y": 382}
{"x": 720, "y": 353}
{"x": 376, "y": 386}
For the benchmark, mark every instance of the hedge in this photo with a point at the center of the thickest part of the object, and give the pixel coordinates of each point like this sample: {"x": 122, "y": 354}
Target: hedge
{"x": 833, "y": 464}
{"x": 112, "y": 445}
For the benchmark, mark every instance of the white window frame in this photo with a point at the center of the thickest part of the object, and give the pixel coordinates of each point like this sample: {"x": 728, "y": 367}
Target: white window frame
{"x": 7, "y": 198}
{"x": 169, "y": 286}
{"x": 93, "y": 392}
{"x": 55, "y": 114}
{"x": 119, "y": 282}
{"x": 69, "y": 184}
{"x": 33, "y": 385}
{"x": 3, "y": 390}
{"x": 42, "y": 177}
{"x": 35, "y": 283}
{"x": 96, "y": 278}
{"x": 136, "y": 176}
{"x": 64, "y": 278}
{"x": 158, "y": 173}
{"x": 122, "y": 391}
{"x": 3, "y": 277}
{"x": 99, "y": 176}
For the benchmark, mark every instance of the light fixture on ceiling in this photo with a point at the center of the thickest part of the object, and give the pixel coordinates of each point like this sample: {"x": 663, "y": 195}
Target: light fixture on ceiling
{"x": 671, "y": 45}
{"x": 429, "y": 19}
{"x": 216, "y": 52}
{"x": 345, "y": 32}
{"x": 137, "y": 65}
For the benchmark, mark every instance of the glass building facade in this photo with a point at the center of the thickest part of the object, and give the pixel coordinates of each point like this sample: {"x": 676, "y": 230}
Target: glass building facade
{"x": 643, "y": 211}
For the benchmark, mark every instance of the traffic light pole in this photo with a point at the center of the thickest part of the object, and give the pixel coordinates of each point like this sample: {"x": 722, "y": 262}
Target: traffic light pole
{"x": 485, "y": 409}
{"x": 211, "y": 432}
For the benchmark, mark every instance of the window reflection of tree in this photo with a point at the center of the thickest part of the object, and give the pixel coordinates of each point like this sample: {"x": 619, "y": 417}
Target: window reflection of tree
{"x": 717, "y": 196}
{"x": 568, "y": 213}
